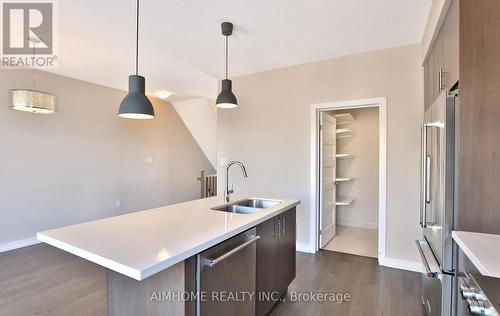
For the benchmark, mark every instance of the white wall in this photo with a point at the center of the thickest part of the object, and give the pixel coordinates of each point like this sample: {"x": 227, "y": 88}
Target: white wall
{"x": 200, "y": 119}
{"x": 364, "y": 167}
{"x": 74, "y": 165}
{"x": 270, "y": 133}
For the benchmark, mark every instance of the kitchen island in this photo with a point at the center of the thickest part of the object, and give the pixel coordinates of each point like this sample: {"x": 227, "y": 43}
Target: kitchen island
{"x": 154, "y": 251}
{"x": 478, "y": 273}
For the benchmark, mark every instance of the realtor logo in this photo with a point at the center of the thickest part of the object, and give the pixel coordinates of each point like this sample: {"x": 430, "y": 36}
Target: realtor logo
{"x": 28, "y": 34}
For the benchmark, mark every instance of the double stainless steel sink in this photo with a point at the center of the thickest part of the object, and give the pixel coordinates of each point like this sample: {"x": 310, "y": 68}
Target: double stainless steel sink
{"x": 248, "y": 206}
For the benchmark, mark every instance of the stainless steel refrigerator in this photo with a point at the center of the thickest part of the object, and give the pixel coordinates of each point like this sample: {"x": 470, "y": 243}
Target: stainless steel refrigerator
{"x": 438, "y": 213}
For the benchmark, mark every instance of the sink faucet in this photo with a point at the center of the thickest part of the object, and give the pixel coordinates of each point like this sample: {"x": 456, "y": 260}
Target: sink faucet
{"x": 227, "y": 191}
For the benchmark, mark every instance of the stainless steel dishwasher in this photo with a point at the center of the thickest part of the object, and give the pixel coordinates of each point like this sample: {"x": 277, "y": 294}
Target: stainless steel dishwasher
{"x": 226, "y": 277}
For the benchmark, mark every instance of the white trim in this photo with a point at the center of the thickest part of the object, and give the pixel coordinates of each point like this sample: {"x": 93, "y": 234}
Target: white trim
{"x": 13, "y": 245}
{"x": 382, "y": 172}
{"x": 382, "y": 207}
{"x": 300, "y": 247}
{"x": 403, "y": 265}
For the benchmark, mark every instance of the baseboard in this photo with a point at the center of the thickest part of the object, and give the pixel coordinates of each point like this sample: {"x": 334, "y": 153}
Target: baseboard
{"x": 357, "y": 224}
{"x": 414, "y": 266}
{"x": 18, "y": 244}
{"x": 402, "y": 264}
{"x": 300, "y": 247}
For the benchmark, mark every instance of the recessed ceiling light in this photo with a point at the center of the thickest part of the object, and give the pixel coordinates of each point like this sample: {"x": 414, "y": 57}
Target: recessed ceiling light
{"x": 163, "y": 94}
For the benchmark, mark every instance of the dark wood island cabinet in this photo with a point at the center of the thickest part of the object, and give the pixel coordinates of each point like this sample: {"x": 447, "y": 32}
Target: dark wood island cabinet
{"x": 275, "y": 260}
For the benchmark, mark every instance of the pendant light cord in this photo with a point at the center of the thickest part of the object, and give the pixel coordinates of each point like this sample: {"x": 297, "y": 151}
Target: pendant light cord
{"x": 226, "y": 54}
{"x": 137, "y": 41}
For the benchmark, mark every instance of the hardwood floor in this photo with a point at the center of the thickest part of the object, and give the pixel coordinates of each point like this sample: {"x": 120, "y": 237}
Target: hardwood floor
{"x": 375, "y": 290}
{"x": 42, "y": 280}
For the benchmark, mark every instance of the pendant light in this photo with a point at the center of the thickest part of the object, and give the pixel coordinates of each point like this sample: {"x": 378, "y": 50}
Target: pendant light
{"x": 226, "y": 98}
{"x": 136, "y": 104}
{"x": 32, "y": 100}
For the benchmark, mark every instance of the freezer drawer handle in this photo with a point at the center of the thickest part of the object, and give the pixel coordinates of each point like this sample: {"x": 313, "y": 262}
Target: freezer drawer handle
{"x": 212, "y": 262}
{"x": 428, "y": 270}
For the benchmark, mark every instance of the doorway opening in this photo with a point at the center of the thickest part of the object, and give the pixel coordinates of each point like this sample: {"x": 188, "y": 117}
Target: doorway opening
{"x": 350, "y": 177}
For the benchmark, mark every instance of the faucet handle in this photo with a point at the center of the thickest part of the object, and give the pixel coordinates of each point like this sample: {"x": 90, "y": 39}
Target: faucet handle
{"x": 232, "y": 188}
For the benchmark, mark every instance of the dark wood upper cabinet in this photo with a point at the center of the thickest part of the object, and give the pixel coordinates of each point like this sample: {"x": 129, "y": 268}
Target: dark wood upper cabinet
{"x": 431, "y": 76}
{"x": 441, "y": 68}
{"x": 451, "y": 49}
{"x": 427, "y": 97}
{"x": 467, "y": 49}
{"x": 438, "y": 66}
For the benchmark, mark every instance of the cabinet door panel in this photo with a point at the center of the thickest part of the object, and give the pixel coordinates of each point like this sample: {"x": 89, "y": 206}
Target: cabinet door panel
{"x": 286, "y": 249}
{"x": 431, "y": 76}
{"x": 438, "y": 65}
{"x": 267, "y": 266}
{"x": 427, "y": 97}
{"x": 451, "y": 45}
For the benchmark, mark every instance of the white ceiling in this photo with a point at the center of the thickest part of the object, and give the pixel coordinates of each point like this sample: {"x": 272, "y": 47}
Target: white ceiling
{"x": 182, "y": 49}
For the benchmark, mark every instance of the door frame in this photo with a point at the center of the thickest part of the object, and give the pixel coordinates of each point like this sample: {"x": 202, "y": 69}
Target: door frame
{"x": 381, "y": 103}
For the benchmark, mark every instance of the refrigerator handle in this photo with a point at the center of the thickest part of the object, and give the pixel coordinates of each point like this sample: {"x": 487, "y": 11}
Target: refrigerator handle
{"x": 421, "y": 171}
{"x": 425, "y": 193}
{"x": 423, "y": 175}
{"x": 427, "y": 180}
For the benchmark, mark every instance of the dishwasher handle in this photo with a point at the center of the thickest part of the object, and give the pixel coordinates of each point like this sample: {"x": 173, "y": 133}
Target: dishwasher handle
{"x": 212, "y": 262}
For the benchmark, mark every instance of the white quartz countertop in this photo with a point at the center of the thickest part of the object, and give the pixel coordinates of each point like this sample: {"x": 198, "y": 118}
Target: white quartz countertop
{"x": 143, "y": 243}
{"x": 483, "y": 250}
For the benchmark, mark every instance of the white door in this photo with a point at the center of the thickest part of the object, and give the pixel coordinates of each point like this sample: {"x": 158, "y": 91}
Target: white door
{"x": 328, "y": 165}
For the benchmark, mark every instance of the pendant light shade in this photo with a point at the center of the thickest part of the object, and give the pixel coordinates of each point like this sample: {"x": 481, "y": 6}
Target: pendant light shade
{"x": 226, "y": 98}
{"x": 136, "y": 104}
